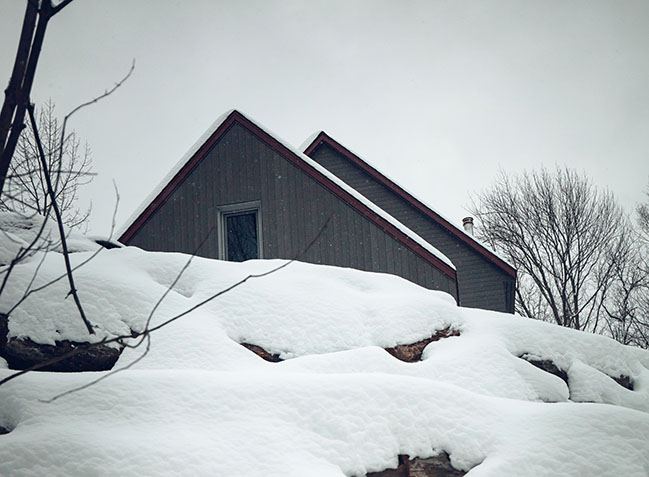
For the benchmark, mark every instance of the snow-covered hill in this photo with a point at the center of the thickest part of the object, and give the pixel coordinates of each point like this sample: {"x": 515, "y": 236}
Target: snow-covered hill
{"x": 337, "y": 404}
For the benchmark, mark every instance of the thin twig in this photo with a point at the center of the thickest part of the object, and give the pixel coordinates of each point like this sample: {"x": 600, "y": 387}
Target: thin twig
{"x": 83, "y": 105}
{"x": 22, "y": 253}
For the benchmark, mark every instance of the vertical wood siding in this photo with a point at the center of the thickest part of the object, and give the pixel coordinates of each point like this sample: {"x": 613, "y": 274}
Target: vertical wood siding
{"x": 241, "y": 168}
{"x": 481, "y": 283}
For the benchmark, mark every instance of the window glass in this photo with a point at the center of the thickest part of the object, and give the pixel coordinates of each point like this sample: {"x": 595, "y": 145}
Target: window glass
{"x": 241, "y": 236}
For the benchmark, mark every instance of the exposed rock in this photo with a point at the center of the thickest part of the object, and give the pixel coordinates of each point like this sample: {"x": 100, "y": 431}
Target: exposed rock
{"x": 624, "y": 381}
{"x": 402, "y": 469}
{"x": 548, "y": 366}
{"x": 436, "y": 466}
{"x": 408, "y": 352}
{"x": 412, "y": 352}
{"x": 25, "y": 353}
{"x": 4, "y": 430}
{"x": 262, "y": 353}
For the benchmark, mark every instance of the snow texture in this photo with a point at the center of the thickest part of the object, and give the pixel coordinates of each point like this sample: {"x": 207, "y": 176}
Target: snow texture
{"x": 201, "y": 404}
{"x": 321, "y": 170}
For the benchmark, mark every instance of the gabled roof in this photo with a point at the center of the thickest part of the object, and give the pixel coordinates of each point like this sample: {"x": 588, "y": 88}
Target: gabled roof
{"x": 353, "y": 198}
{"x": 324, "y": 138}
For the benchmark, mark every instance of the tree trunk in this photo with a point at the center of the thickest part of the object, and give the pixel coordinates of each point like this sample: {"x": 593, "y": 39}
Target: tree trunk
{"x": 24, "y": 90}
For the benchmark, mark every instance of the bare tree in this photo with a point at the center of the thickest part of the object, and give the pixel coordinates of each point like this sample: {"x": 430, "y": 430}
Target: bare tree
{"x": 627, "y": 303}
{"x": 566, "y": 238}
{"x": 627, "y": 307}
{"x": 51, "y": 202}
{"x": 69, "y": 165}
{"x": 48, "y": 190}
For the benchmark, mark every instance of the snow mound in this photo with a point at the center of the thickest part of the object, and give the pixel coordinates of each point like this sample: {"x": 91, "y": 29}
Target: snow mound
{"x": 338, "y": 404}
{"x": 19, "y": 232}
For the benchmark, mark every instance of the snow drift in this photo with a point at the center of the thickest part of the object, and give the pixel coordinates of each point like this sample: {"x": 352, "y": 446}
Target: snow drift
{"x": 338, "y": 404}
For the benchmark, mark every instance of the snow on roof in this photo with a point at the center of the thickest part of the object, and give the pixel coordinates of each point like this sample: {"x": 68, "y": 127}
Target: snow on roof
{"x": 309, "y": 140}
{"x": 460, "y": 230}
{"x": 313, "y": 164}
{"x": 201, "y": 404}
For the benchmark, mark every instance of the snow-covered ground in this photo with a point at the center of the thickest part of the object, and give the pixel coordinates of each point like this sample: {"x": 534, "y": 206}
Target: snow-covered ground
{"x": 339, "y": 404}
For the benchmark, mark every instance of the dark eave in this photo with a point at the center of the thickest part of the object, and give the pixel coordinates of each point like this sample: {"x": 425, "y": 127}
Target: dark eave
{"x": 293, "y": 158}
{"x": 324, "y": 138}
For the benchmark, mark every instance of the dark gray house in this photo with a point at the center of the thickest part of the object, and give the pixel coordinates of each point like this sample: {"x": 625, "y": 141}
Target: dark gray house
{"x": 244, "y": 194}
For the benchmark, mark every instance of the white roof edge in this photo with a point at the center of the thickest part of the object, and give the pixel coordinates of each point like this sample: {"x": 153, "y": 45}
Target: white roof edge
{"x": 307, "y": 142}
{"x": 312, "y": 137}
{"x": 353, "y": 192}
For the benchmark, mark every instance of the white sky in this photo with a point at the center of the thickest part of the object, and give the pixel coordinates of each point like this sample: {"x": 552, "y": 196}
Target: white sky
{"x": 437, "y": 94}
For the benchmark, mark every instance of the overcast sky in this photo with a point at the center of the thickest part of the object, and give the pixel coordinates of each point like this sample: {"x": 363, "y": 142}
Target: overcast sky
{"x": 436, "y": 94}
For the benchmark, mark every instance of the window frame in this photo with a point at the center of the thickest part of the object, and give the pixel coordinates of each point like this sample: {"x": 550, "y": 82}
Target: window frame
{"x": 239, "y": 208}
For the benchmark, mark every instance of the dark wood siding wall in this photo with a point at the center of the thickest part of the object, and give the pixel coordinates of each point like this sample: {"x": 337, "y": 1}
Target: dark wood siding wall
{"x": 241, "y": 168}
{"x": 481, "y": 283}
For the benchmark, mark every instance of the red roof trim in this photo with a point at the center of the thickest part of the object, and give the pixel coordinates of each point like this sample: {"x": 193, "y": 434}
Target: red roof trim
{"x": 328, "y": 140}
{"x": 286, "y": 153}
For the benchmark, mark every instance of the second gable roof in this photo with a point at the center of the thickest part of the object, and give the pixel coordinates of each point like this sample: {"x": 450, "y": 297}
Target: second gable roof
{"x": 324, "y": 138}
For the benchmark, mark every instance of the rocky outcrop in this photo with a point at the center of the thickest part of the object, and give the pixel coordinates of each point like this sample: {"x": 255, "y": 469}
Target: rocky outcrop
{"x": 411, "y": 353}
{"x": 24, "y": 353}
{"x": 624, "y": 381}
{"x": 549, "y": 367}
{"x": 406, "y": 352}
{"x": 262, "y": 353}
{"x": 437, "y": 466}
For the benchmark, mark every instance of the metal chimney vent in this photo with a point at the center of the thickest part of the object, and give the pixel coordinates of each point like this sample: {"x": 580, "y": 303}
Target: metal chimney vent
{"x": 467, "y": 223}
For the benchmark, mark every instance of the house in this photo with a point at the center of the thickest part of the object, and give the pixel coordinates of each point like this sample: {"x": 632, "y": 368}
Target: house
{"x": 241, "y": 193}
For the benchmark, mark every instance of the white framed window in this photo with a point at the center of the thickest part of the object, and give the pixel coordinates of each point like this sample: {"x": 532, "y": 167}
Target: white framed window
{"x": 239, "y": 227}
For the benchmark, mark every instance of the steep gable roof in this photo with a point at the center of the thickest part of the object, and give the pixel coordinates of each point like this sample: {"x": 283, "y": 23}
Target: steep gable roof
{"x": 314, "y": 170}
{"x": 324, "y": 138}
